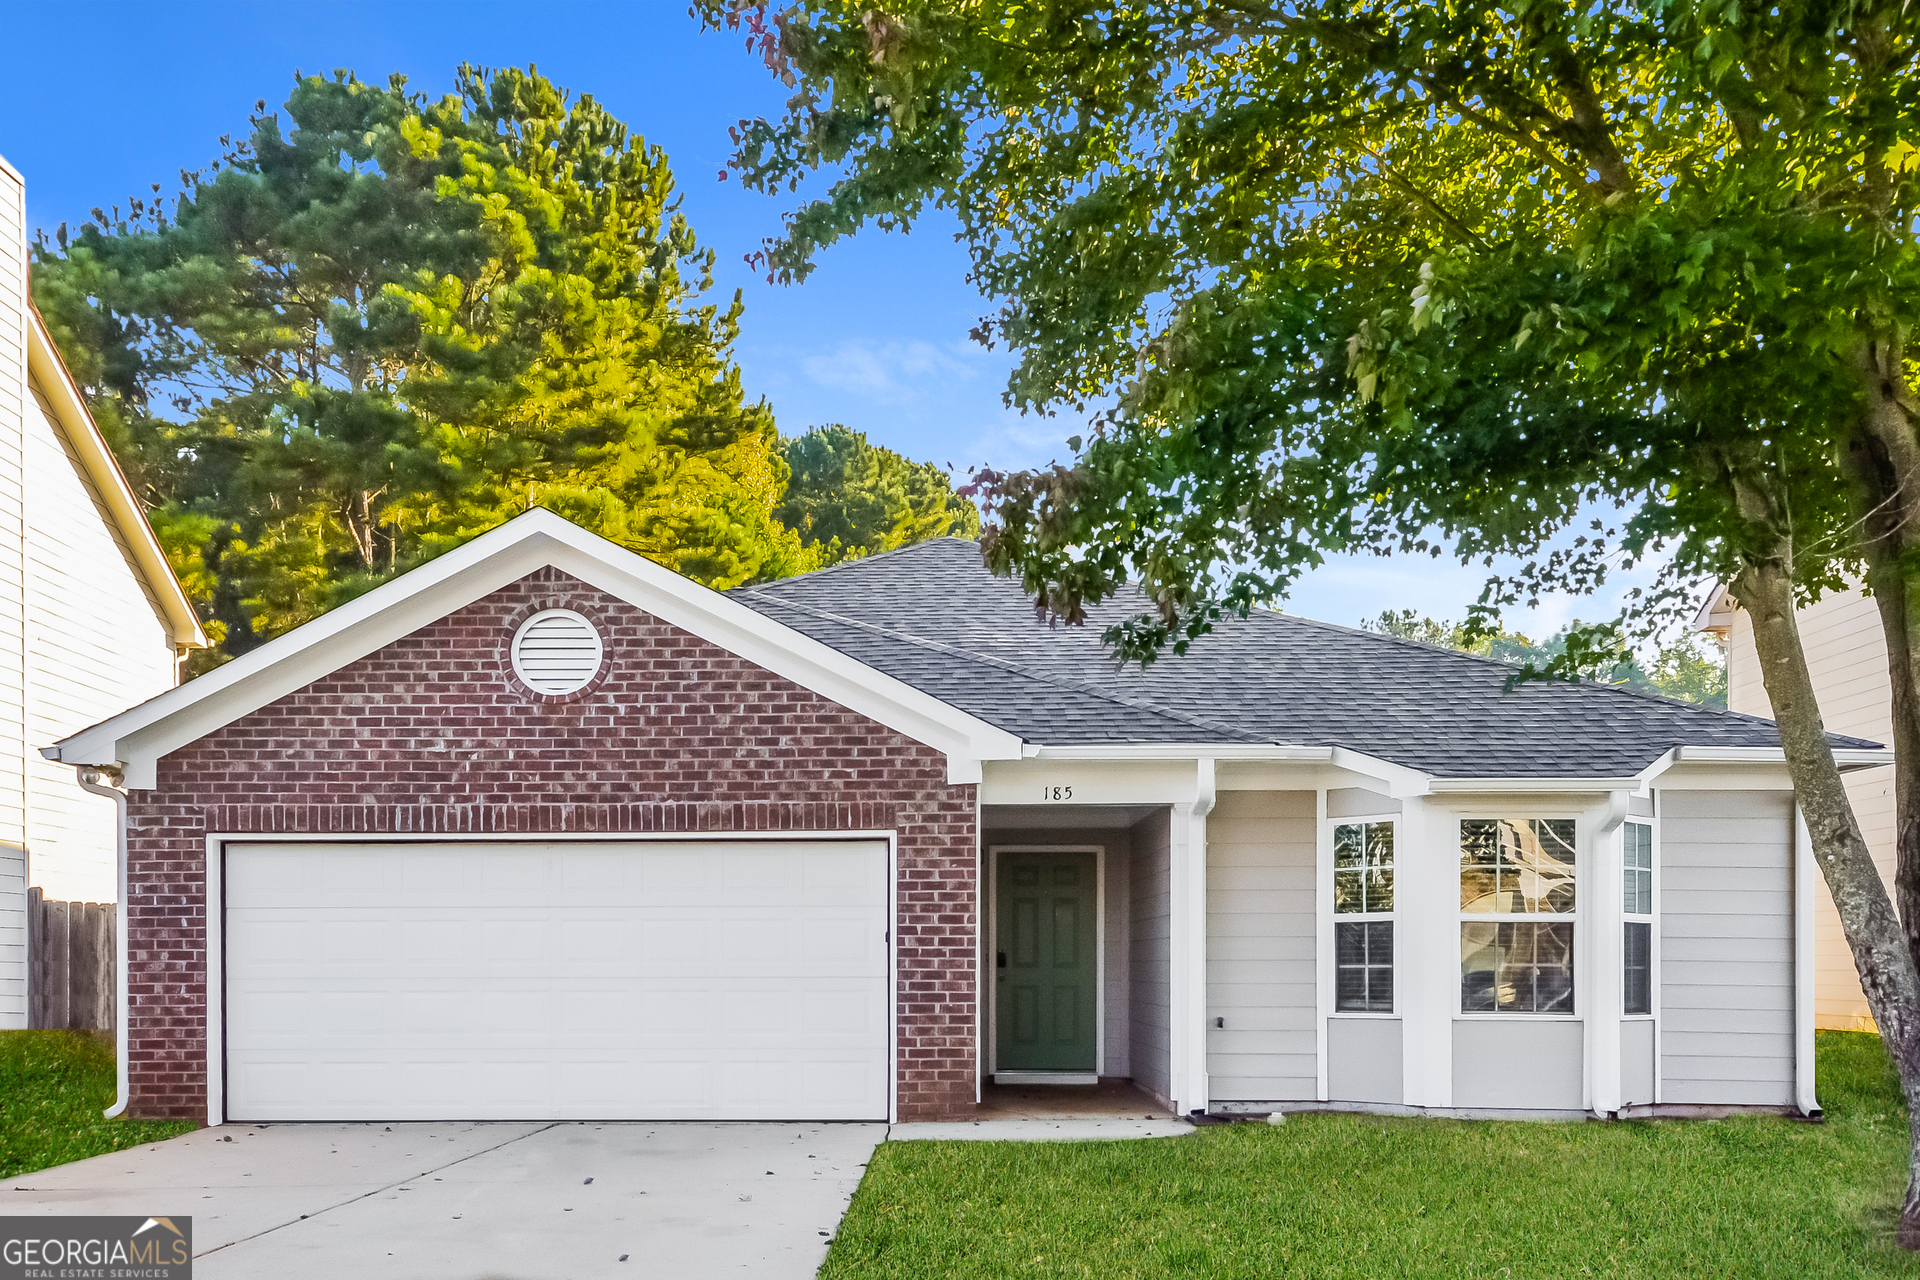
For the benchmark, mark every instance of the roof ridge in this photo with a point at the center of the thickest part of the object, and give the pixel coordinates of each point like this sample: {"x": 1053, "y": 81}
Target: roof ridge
{"x": 941, "y": 646}
{"x": 1485, "y": 659}
{"x": 856, "y": 562}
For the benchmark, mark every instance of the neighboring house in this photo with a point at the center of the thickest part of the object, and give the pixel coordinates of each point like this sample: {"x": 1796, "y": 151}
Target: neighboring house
{"x": 543, "y": 830}
{"x": 1847, "y": 657}
{"x": 91, "y": 618}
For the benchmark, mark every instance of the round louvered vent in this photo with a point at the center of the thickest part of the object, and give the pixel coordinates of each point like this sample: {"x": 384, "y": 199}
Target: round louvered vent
{"x": 556, "y": 651}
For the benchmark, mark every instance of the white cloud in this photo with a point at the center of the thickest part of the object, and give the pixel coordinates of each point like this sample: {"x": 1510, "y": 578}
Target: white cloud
{"x": 894, "y": 373}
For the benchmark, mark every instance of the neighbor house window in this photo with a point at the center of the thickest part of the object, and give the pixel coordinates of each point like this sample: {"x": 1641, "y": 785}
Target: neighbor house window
{"x": 1636, "y": 971}
{"x": 1363, "y": 907}
{"x": 1514, "y": 872}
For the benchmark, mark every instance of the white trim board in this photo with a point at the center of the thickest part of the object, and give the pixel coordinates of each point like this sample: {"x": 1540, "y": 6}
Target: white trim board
{"x": 135, "y": 740}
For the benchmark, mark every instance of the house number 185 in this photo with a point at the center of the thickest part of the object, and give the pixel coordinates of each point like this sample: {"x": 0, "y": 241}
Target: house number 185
{"x": 1056, "y": 793}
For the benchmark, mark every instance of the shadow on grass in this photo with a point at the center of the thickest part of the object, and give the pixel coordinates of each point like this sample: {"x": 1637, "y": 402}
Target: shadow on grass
{"x": 1366, "y": 1196}
{"x": 53, "y": 1087}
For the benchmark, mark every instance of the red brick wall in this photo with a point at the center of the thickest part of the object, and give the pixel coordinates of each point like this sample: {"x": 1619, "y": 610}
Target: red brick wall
{"x": 433, "y": 733}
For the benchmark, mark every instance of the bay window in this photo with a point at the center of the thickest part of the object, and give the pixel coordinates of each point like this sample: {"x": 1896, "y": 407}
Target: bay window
{"x": 1636, "y": 867}
{"x": 1517, "y": 900}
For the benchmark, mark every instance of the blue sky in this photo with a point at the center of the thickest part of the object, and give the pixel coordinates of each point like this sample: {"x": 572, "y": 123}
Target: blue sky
{"x": 124, "y": 95}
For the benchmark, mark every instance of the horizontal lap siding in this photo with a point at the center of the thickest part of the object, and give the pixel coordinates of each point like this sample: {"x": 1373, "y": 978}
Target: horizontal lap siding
{"x": 13, "y": 408}
{"x": 1261, "y": 947}
{"x": 1847, "y": 659}
{"x": 432, "y": 733}
{"x": 96, "y": 646}
{"x": 1148, "y": 1020}
{"x": 1726, "y": 963}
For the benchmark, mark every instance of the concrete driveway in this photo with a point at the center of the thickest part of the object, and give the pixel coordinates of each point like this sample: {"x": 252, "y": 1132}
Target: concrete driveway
{"x": 482, "y": 1201}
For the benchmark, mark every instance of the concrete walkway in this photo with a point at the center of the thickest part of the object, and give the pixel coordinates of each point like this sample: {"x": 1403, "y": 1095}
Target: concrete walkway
{"x": 463, "y": 1201}
{"x": 1038, "y": 1129}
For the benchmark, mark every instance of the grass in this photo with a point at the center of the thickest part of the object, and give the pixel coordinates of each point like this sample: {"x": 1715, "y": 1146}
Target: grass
{"x": 1344, "y": 1195}
{"x": 53, "y": 1087}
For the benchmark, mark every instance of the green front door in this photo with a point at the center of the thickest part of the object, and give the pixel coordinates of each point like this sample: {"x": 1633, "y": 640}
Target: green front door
{"x": 1044, "y": 972}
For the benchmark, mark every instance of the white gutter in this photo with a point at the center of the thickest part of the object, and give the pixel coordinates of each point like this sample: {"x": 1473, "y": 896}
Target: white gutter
{"x": 90, "y": 780}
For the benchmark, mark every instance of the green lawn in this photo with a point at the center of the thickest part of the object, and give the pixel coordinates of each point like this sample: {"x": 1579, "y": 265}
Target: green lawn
{"x": 53, "y": 1087}
{"x": 1343, "y": 1195}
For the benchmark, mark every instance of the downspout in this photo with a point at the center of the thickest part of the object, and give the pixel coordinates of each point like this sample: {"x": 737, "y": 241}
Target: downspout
{"x": 96, "y": 779}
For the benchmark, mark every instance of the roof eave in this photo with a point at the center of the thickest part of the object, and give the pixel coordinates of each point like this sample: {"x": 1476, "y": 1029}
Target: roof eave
{"x": 50, "y": 371}
{"x": 137, "y": 738}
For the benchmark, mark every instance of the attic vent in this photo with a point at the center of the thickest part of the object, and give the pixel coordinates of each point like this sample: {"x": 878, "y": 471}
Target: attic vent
{"x": 556, "y": 651}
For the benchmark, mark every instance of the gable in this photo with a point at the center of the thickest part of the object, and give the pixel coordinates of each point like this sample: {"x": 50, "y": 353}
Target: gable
{"x": 136, "y": 740}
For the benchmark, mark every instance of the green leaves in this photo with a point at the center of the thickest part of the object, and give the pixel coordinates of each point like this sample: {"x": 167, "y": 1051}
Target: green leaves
{"x": 1397, "y": 277}
{"x": 387, "y": 324}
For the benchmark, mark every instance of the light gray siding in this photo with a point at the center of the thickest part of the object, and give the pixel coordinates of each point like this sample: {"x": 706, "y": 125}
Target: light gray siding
{"x": 1726, "y": 947}
{"x": 1364, "y": 1060}
{"x": 1358, "y": 802}
{"x": 13, "y": 408}
{"x": 1636, "y": 1062}
{"x": 1260, "y": 947}
{"x": 1513, "y": 1063}
{"x": 1147, "y": 1013}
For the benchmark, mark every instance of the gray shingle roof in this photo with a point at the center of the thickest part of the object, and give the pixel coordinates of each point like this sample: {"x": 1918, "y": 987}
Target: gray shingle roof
{"x": 932, "y": 617}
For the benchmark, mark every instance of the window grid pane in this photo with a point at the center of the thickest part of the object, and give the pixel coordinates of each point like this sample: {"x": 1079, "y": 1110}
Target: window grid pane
{"x": 1637, "y": 870}
{"x": 1363, "y": 867}
{"x": 1517, "y": 867}
{"x": 1516, "y": 967}
{"x": 1637, "y": 969}
{"x": 1363, "y": 966}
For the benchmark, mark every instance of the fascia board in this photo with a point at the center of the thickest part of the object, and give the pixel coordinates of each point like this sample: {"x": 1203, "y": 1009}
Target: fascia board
{"x": 51, "y": 373}
{"x": 137, "y": 738}
{"x": 1181, "y": 751}
{"x": 1857, "y": 757}
{"x": 1401, "y": 782}
{"x": 1513, "y": 786}
{"x": 785, "y": 652}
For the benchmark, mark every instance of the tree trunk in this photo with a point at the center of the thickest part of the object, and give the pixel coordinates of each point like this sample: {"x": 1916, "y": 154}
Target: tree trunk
{"x": 1883, "y": 458}
{"x": 1888, "y": 975}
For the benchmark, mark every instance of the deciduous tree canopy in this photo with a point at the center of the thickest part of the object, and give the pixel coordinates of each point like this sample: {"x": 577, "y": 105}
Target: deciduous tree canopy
{"x": 1419, "y": 278}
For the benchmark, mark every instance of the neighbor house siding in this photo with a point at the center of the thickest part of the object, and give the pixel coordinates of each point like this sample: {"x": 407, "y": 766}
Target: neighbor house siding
{"x": 1847, "y": 659}
{"x": 1726, "y": 939}
{"x": 433, "y": 734}
{"x": 1260, "y": 947}
{"x": 13, "y": 409}
{"x": 1149, "y": 1021}
{"x": 96, "y": 645}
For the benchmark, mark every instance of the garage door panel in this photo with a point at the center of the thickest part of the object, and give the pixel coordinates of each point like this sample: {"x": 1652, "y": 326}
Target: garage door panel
{"x": 564, "y": 980}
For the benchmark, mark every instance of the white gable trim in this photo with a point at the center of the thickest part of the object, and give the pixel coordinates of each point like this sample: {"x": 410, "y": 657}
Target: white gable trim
{"x": 136, "y": 739}
{"x": 50, "y": 374}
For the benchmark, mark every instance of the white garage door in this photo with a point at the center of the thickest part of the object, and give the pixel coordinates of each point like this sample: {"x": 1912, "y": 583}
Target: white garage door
{"x": 566, "y": 980}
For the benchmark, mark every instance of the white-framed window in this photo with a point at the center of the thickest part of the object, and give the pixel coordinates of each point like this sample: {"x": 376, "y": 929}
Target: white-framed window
{"x": 1517, "y": 912}
{"x": 1363, "y": 917}
{"x": 1636, "y": 907}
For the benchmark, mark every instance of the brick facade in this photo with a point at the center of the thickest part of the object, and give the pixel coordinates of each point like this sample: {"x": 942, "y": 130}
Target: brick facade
{"x": 433, "y": 733}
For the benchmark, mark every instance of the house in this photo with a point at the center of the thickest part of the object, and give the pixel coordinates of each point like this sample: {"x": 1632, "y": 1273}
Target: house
{"x": 542, "y": 830}
{"x": 1847, "y": 657}
{"x": 91, "y": 617}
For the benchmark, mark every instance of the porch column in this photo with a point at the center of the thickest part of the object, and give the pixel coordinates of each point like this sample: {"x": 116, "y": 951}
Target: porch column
{"x": 1187, "y": 947}
{"x": 1427, "y": 949}
{"x": 1601, "y": 887}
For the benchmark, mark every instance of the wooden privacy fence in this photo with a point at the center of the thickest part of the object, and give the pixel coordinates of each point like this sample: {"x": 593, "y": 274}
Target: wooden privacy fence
{"x": 70, "y": 964}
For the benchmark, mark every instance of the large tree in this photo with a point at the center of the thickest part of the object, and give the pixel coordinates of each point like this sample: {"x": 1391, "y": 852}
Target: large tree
{"x": 382, "y": 324}
{"x": 1419, "y": 278}
{"x": 848, "y": 497}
